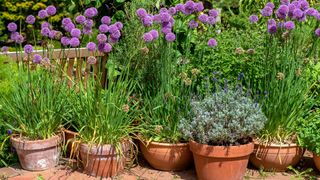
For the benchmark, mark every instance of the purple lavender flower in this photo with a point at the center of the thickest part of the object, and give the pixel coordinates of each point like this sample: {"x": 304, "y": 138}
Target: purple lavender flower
{"x": 141, "y": 13}
{"x": 147, "y": 37}
{"x": 74, "y": 42}
{"x": 91, "y": 60}
{"x": 28, "y": 49}
{"x": 253, "y": 18}
{"x": 45, "y": 31}
{"x": 193, "y": 24}
{"x": 147, "y": 21}
{"x": 116, "y": 34}
{"x": 13, "y": 36}
{"x": 69, "y": 27}
{"x": 272, "y": 29}
{"x": 42, "y": 14}
{"x": 88, "y": 23}
{"x": 80, "y": 19}
{"x": 189, "y": 7}
{"x": 66, "y": 21}
{"x": 172, "y": 11}
{"x": 102, "y": 38}
{"x": 203, "y": 18}
{"x": 12, "y": 27}
{"x": 91, "y": 46}
{"x": 317, "y": 32}
{"x": 30, "y": 19}
{"x": 107, "y": 48}
{"x": 75, "y": 32}
{"x": 65, "y": 41}
{"x": 91, "y": 12}
{"x": 106, "y": 20}
{"x": 312, "y": 12}
{"x": 212, "y": 43}
{"x": 270, "y": 4}
{"x": 179, "y": 7}
{"x": 214, "y": 13}
{"x": 119, "y": 25}
{"x": 37, "y": 58}
{"x": 154, "y": 34}
{"x": 170, "y": 37}
{"x": 266, "y": 11}
{"x": 51, "y": 10}
{"x": 212, "y": 20}
{"x": 87, "y": 30}
{"x": 199, "y": 7}
{"x": 289, "y": 25}
{"x": 113, "y": 28}
{"x": 103, "y": 28}
{"x": 4, "y": 49}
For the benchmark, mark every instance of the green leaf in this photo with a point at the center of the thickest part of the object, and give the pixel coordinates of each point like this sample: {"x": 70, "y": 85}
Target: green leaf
{"x": 72, "y": 6}
{"x": 120, "y": 1}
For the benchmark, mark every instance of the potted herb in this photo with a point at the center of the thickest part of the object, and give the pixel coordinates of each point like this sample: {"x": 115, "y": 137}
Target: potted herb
{"x": 220, "y": 128}
{"x": 290, "y": 45}
{"x": 169, "y": 81}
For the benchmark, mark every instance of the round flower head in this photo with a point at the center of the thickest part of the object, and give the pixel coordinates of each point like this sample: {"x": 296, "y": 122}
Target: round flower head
{"x": 87, "y": 30}
{"x": 113, "y": 28}
{"x": 102, "y": 38}
{"x": 179, "y": 7}
{"x": 317, "y": 32}
{"x": 45, "y": 31}
{"x": 170, "y": 37}
{"x": 42, "y": 14}
{"x": 214, "y": 13}
{"x": 163, "y": 10}
{"x": 199, "y": 7}
{"x": 91, "y": 60}
{"x": 272, "y": 22}
{"x": 65, "y": 41}
{"x": 289, "y": 25}
{"x": 45, "y": 24}
{"x": 103, "y": 28}
{"x": 283, "y": 9}
{"x": 119, "y": 25}
{"x": 165, "y": 17}
{"x": 37, "y": 58}
{"x": 106, "y": 20}
{"x": 189, "y": 7}
{"x": 107, "y": 48}
{"x": 318, "y": 16}
{"x": 91, "y": 46}
{"x": 30, "y": 19}
{"x": 266, "y": 11}
{"x": 212, "y": 42}
{"x": 116, "y": 34}
{"x": 203, "y": 18}
{"x": 253, "y": 18}
{"x": 28, "y": 49}
{"x": 212, "y": 20}
{"x": 88, "y": 23}
{"x": 80, "y": 19}
{"x": 272, "y": 29}
{"x": 147, "y": 21}
{"x": 90, "y": 12}
{"x": 112, "y": 40}
{"x": 12, "y": 27}
{"x": 5, "y": 49}
{"x": 270, "y": 4}
{"x": 298, "y": 13}
{"x": 172, "y": 11}
{"x": 193, "y": 24}
{"x": 147, "y": 37}
{"x": 166, "y": 30}
{"x": 66, "y": 21}
{"x": 154, "y": 34}
{"x": 74, "y": 42}
{"x": 312, "y": 12}
{"x": 75, "y": 32}
{"x": 141, "y": 13}
{"x": 51, "y": 10}
{"x": 304, "y": 5}
{"x": 13, "y": 36}
{"x": 52, "y": 34}
{"x": 69, "y": 27}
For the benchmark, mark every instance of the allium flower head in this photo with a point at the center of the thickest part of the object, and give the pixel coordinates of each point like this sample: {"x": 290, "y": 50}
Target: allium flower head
{"x": 312, "y": 12}
{"x": 272, "y": 22}
{"x": 317, "y": 32}
{"x": 283, "y": 9}
{"x": 193, "y": 24}
{"x": 116, "y": 34}
{"x": 74, "y": 42}
{"x": 88, "y": 23}
{"x": 51, "y": 10}
{"x": 80, "y": 19}
{"x": 107, "y": 48}
{"x": 91, "y": 46}
{"x": 113, "y": 28}
{"x": 119, "y": 25}
{"x": 91, "y": 60}
{"x": 75, "y": 32}
{"x": 42, "y": 14}
{"x": 30, "y": 19}
{"x": 253, "y": 18}
{"x": 172, "y": 11}
{"x": 91, "y": 12}
{"x": 170, "y": 37}
{"x": 45, "y": 31}
{"x": 154, "y": 34}
{"x": 165, "y": 17}
{"x": 147, "y": 21}
{"x": 212, "y": 42}
{"x": 304, "y": 5}
{"x": 66, "y": 21}
{"x": 87, "y": 30}
{"x": 147, "y": 37}
{"x": 298, "y": 13}
{"x": 37, "y": 58}
{"x": 45, "y": 24}
{"x": 52, "y": 34}
{"x": 203, "y": 18}
{"x": 13, "y": 36}
{"x": 166, "y": 30}
{"x": 106, "y": 20}
{"x": 271, "y": 5}
{"x": 289, "y": 25}
{"x": 266, "y": 11}
{"x": 12, "y": 27}
{"x": 212, "y": 20}
{"x": 102, "y": 38}
{"x": 214, "y": 13}
{"x": 65, "y": 41}
{"x": 189, "y": 7}
{"x": 103, "y": 28}
{"x": 4, "y": 49}
{"x": 69, "y": 27}
{"x": 179, "y": 7}
{"x": 141, "y": 13}
{"x": 272, "y": 29}
{"x": 199, "y": 7}
{"x": 28, "y": 49}
{"x": 163, "y": 10}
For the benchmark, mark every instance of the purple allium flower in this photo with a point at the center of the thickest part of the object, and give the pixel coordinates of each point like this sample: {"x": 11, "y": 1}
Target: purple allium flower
{"x": 170, "y": 37}
{"x": 45, "y": 31}
{"x": 42, "y": 14}
{"x": 283, "y": 10}
{"x": 119, "y": 25}
{"x": 312, "y": 12}
{"x": 189, "y": 7}
{"x": 102, "y": 38}
{"x": 212, "y": 20}
{"x": 289, "y": 25}
{"x": 266, "y": 11}
{"x": 272, "y": 22}
{"x": 52, "y": 34}
{"x": 88, "y": 23}
{"x": 106, "y": 20}
{"x": 199, "y": 7}
{"x": 28, "y": 49}
{"x": 179, "y": 7}
{"x": 212, "y": 42}
{"x": 304, "y": 5}
{"x": 298, "y": 13}
{"x": 90, "y": 12}
{"x": 30, "y": 19}
{"x": 156, "y": 18}
{"x": 214, "y": 13}
{"x": 193, "y": 24}
{"x": 113, "y": 28}
{"x": 107, "y": 48}
{"x": 51, "y": 10}
{"x": 172, "y": 11}
{"x": 141, "y": 13}
{"x": 45, "y": 24}
{"x": 103, "y": 28}
{"x": 13, "y": 36}
{"x": 166, "y": 30}
{"x": 69, "y": 27}
{"x": 80, "y": 19}
{"x": 4, "y": 49}
{"x": 112, "y": 40}
{"x": 37, "y": 58}
{"x": 116, "y": 34}
{"x": 270, "y": 4}
{"x": 318, "y": 16}
{"x": 203, "y": 18}
{"x": 66, "y": 21}
{"x": 165, "y": 17}
{"x": 75, "y": 32}
{"x": 253, "y": 18}
{"x": 147, "y": 37}
{"x": 163, "y": 10}
{"x": 147, "y": 21}
{"x": 154, "y": 34}
{"x": 9, "y": 132}
{"x": 87, "y": 30}
{"x": 65, "y": 41}
{"x": 317, "y": 32}
{"x": 74, "y": 42}
{"x": 12, "y": 27}
{"x": 280, "y": 25}
{"x": 91, "y": 46}
{"x": 272, "y": 29}
{"x": 91, "y": 60}
{"x": 285, "y": 2}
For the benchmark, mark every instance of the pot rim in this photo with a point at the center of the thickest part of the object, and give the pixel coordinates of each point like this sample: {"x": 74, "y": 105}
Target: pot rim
{"x": 15, "y": 138}
{"x": 290, "y": 145}
{"x": 165, "y": 144}
{"x": 18, "y": 143}
{"x": 71, "y": 132}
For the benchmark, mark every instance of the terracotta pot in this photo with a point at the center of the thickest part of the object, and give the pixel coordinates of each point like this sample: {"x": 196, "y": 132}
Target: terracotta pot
{"x": 220, "y": 162}
{"x": 102, "y": 161}
{"x": 37, "y": 155}
{"x": 72, "y": 147}
{"x": 275, "y": 157}
{"x": 166, "y": 156}
{"x": 316, "y": 160}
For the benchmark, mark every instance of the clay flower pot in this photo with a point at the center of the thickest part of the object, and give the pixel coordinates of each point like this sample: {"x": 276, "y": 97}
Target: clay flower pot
{"x": 72, "y": 147}
{"x": 37, "y": 155}
{"x": 166, "y": 156}
{"x": 275, "y": 157}
{"x": 103, "y": 161}
{"x": 316, "y": 160}
{"x": 220, "y": 162}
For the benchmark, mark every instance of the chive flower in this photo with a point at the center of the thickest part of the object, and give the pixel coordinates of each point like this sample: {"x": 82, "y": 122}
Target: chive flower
{"x": 289, "y": 25}
{"x": 66, "y": 21}
{"x": 266, "y": 11}
{"x": 87, "y": 30}
{"x": 102, "y": 38}
{"x": 75, "y": 32}
{"x": 51, "y": 10}
{"x": 214, "y": 13}
{"x": 19, "y": 39}
{"x": 65, "y": 41}
{"x": 170, "y": 37}
{"x": 154, "y": 33}
{"x": 42, "y": 14}
{"x": 193, "y": 24}
{"x": 317, "y": 32}
{"x": 81, "y": 19}
{"x": 212, "y": 43}
{"x": 172, "y": 11}
{"x": 37, "y": 58}
{"x": 91, "y": 12}
{"x": 103, "y": 28}
{"x": 253, "y": 18}
{"x": 119, "y": 25}
{"x": 74, "y": 42}
{"x": 28, "y": 49}
{"x": 91, "y": 46}
{"x": 147, "y": 37}
{"x": 30, "y": 19}
{"x": 5, "y": 49}
{"x": 199, "y": 7}
{"x": 12, "y": 27}
{"x": 106, "y": 20}
{"x": 203, "y": 18}
{"x": 141, "y": 13}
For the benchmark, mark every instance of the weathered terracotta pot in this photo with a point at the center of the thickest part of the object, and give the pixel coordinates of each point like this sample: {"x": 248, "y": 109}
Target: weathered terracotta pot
{"x": 103, "y": 161}
{"x": 166, "y": 156}
{"x": 316, "y": 160}
{"x": 220, "y": 162}
{"x": 37, "y": 155}
{"x": 275, "y": 157}
{"x": 72, "y": 147}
